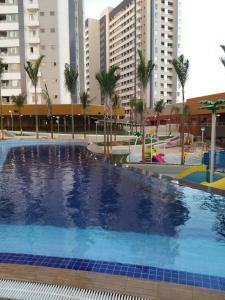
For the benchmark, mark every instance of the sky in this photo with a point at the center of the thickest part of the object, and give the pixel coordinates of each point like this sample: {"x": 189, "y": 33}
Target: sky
{"x": 203, "y": 31}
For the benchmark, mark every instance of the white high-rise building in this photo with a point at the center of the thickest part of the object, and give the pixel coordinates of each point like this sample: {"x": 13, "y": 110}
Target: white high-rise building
{"x": 151, "y": 26}
{"x": 30, "y": 28}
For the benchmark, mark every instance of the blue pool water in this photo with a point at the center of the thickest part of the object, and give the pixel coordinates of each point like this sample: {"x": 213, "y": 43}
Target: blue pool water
{"x": 58, "y": 200}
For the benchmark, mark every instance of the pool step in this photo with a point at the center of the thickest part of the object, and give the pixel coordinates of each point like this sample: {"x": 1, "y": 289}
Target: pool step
{"x": 35, "y": 291}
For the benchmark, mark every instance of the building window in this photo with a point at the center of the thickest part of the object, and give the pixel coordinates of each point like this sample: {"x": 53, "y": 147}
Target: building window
{"x": 52, "y": 13}
{"x": 42, "y": 14}
{"x": 42, "y": 30}
{"x": 52, "y": 30}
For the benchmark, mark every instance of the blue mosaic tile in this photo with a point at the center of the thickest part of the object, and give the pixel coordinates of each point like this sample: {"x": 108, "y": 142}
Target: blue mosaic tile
{"x": 117, "y": 269}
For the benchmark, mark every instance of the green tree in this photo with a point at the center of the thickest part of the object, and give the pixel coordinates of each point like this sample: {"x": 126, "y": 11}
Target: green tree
{"x": 71, "y": 83}
{"x": 85, "y": 102}
{"x": 144, "y": 72}
{"x": 214, "y": 107}
{"x": 158, "y": 109}
{"x": 181, "y": 66}
{"x": 32, "y": 69}
{"x": 2, "y": 68}
{"x": 48, "y": 101}
{"x": 19, "y": 102}
{"x": 107, "y": 81}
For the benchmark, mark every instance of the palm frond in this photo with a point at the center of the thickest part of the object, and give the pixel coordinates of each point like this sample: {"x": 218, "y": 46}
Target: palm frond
{"x": 139, "y": 108}
{"x": 71, "y": 76}
{"x": 47, "y": 98}
{"x": 223, "y": 47}
{"x": 32, "y": 69}
{"x": 159, "y": 106}
{"x": 107, "y": 80}
{"x": 84, "y": 98}
{"x": 2, "y": 67}
{"x": 133, "y": 102}
{"x": 181, "y": 66}
{"x": 144, "y": 70}
{"x": 18, "y": 100}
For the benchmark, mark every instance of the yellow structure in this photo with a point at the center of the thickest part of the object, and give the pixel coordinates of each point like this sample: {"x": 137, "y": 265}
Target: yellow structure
{"x": 202, "y": 168}
{"x": 219, "y": 184}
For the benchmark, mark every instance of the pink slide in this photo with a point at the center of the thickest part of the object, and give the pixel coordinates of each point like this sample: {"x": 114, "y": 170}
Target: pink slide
{"x": 159, "y": 159}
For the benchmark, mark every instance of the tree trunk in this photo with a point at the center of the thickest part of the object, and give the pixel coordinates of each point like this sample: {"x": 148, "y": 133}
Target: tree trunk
{"x": 115, "y": 128}
{"x": 170, "y": 125}
{"x": 21, "y": 129}
{"x": 111, "y": 128}
{"x": 143, "y": 139}
{"x": 51, "y": 125}
{"x": 36, "y": 112}
{"x": 213, "y": 147}
{"x": 105, "y": 128}
{"x": 72, "y": 117}
{"x": 85, "y": 122}
{"x": 182, "y": 131}
{"x": 1, "y": 112}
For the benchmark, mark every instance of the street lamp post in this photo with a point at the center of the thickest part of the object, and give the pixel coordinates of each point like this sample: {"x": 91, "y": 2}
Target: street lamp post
{"x": 203, "y": 133}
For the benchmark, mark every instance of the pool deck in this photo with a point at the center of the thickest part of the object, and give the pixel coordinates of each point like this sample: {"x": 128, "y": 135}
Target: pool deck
{"x": 95, "y": 281}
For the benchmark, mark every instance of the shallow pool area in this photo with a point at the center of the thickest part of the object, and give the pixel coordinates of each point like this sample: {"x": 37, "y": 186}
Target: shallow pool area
{"x": 60, "y": 200}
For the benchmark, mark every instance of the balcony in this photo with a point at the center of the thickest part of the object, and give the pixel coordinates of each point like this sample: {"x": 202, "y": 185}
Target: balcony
{"x": 32, "y": 23}
{"x": 9, "y": 42}
{"x": 34, "y": 40}
{"x": 8, "y": 9}
{"x": 32, "y": 6}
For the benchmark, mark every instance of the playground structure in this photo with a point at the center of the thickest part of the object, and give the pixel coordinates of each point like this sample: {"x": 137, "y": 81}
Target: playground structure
{"x": 200, "y": 174}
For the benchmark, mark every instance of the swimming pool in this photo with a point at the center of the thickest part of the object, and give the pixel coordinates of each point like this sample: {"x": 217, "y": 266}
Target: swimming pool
{"x": 59, "y": 200}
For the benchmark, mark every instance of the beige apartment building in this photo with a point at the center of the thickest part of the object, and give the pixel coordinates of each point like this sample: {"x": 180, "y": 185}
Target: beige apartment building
{"x": 152, "y": 26}
{"x": 30, "y": 28}
{"x": 92, "y": 55}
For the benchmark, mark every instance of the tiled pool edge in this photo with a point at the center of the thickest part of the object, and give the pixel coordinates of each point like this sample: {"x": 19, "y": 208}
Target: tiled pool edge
{"x": 117, "y": 269}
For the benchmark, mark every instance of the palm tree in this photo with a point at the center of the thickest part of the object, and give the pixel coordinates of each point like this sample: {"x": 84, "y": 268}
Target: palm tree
{"x": 32, "y": 69}
{"x": 181, "y": 66}
{"x": 48, "y": 100}
{"x": 85, "y": 102}
{"x": 214, "y": 107}
{"x": 158, "y": 109}
{"x": 107, "y": 82}
{"x": 144, "y": 73}
{"x": 2, "y": 68}
{"x": 71, "y": 83}
{"x": 19, "y": 102}
{"x": 115, "y": 106}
